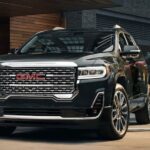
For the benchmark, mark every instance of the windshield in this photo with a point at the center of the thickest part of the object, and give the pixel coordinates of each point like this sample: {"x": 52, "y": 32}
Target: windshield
{"x": 69, "y": 42}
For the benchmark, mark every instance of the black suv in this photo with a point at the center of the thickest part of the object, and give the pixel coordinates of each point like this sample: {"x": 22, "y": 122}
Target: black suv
{"x": 84, "y": 78}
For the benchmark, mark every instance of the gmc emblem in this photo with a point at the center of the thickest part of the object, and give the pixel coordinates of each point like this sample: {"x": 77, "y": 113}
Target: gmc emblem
{"x": 33, "y": 76}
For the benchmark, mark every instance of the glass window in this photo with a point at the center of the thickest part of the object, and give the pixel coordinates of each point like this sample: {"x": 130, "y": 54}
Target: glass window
{"x": 122, "y": 41}
{"x": 129, "y": 39}
{"x": 104, "y": 43}
{"x": 69, "y": 42}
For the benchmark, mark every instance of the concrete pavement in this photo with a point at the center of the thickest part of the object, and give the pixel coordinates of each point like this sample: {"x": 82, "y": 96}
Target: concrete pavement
{"x": 138, "y": 137}
{"x": 39, "y": 139}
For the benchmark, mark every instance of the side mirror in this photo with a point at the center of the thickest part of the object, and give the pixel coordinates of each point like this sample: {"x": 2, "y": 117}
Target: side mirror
{"x": 13, "y": 51}
{"x": 131, "y": 52}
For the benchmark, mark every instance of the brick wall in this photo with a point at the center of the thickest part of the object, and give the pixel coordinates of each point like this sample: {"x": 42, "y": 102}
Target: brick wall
{"x": 23, "y": 27}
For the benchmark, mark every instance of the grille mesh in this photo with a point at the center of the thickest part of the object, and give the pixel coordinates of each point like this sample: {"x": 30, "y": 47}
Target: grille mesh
{"x": 59, "y": 80}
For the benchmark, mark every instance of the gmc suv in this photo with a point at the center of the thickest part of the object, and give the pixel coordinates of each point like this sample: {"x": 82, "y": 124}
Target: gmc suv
{"x": 75, "y": 78}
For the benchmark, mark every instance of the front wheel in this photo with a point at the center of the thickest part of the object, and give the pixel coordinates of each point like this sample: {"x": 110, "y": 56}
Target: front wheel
{"x": 117, "y": 123}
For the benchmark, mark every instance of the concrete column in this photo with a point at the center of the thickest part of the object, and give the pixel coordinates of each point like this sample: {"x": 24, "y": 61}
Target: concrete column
{"x": 89, "y": 19}
{"x": 73, "y": 19}
{"x": 81, "y": 19}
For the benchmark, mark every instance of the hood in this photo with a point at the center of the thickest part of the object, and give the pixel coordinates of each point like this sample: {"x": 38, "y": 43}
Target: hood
{"x": 81, "y": 59}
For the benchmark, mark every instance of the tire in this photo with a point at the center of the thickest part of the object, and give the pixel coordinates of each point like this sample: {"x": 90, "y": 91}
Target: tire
{"x": 116, "y": 124}
{"x": 5, "y": 131}
{"x": 143, "y": 115}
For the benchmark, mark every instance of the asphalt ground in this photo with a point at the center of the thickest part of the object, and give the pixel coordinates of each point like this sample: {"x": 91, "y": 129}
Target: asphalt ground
{"x": 138, "y": 137}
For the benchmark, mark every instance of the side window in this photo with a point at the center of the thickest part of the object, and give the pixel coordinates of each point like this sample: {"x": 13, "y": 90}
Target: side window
{"x": 129, "y": 39}
{"x": 104, "y": 43}
{"x": 122, "y": 41}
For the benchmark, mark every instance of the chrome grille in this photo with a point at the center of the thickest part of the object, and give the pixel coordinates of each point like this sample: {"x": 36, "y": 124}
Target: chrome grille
{"x": 59, "y": 80}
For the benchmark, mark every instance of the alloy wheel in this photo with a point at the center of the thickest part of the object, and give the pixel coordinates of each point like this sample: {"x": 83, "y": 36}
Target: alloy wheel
{"x": 148, "y": 93}
{"x": 149, "y": 107}
{"x": 120, "y": 112}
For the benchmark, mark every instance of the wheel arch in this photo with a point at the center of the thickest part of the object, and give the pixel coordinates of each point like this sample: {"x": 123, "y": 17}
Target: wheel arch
{"x": 122, "y": 80}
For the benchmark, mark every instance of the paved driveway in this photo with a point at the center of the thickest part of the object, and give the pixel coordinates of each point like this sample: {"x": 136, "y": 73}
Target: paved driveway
{"x": 138, "y": 137}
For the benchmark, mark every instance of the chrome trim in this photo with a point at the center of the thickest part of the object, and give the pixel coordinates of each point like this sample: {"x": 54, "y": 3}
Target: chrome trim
{"x": 57, "y": 118}
{"x": 52, "y": 75}
{"x": 96, "y": 98}
{"x": 92, "y": 68}
{"x": 78, "y": 81}
{"x": 107, "y": 107}
{"x": 47, "y": 75}
{"x": 63, "y": 96}
{"x": 56, "y": 99}
{"x": 136, "y": 51}
{"x": 11, "y": 75}
{"x": 39, "y": 64}
{"x": 37, "y": 85}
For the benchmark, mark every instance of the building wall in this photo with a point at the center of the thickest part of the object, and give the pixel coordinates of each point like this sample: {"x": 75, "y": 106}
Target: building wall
{"x": 138, "y": 26}
{"x": 4, "y": 35}
{"x": 137, "y": 11}
{"x": 74, "y": 19}
{"x": 133, "y": 7}
{"x": 23, "y": 27}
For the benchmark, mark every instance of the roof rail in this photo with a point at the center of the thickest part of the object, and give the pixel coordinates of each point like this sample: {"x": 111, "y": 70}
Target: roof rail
{"x": 58, "y": 28}
{"x": 117, "y": 26}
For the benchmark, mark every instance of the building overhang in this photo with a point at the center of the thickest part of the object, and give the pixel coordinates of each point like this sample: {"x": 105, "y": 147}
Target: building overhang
{"x": 29, "y": 7}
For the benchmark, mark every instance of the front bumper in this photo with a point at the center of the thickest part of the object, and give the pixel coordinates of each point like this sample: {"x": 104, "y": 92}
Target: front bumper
{"x": 82, "y": 108}
{"x": 94, "y": 123}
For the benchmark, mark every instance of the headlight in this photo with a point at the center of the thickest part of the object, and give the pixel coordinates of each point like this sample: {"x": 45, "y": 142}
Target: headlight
{"x": 92, "y": 72}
